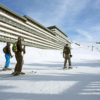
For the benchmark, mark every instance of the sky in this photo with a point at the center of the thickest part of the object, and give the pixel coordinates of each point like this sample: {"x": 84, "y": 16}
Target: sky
{"x": 78, "y": 19}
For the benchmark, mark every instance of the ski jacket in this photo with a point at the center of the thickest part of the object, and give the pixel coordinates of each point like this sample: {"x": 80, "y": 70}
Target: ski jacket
{"x": 19, "y": 46}
{"x": 8, "y": 50}
{"x": 66, "y": 50}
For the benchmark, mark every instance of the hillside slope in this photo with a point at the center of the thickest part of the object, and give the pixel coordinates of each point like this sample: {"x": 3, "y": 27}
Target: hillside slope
{"x": 51, "y": 82}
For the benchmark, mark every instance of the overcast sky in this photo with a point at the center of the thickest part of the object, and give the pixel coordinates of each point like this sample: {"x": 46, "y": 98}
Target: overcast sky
{"x": 79, "y": 19}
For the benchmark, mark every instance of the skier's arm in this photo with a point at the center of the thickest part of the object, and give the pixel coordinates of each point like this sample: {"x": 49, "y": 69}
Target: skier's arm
{"x": 24, "y": 50}
{"x": 9, "y": 51}
{"x": 63, "y": 51}
{"x": 20, "y": 47}
{"x": 70, "y": 50}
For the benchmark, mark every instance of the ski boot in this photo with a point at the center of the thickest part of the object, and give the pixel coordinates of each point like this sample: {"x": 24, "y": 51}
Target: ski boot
{"x": 6, "y": 68}
{"x": 64, "y": 67}
{"x": 16, "y": 73}
{"x": 22, "y": 73}
{"x": 70, "y": 67}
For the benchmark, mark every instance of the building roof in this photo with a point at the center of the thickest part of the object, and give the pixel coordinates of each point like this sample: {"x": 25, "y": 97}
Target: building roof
{"x": 38, "y": 24}
{"x": 52, "y": 27}
{"x": 12, "y": 12}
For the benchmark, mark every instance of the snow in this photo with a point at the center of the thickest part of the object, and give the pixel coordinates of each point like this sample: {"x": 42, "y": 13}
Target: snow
{"x": 51, "y": 82}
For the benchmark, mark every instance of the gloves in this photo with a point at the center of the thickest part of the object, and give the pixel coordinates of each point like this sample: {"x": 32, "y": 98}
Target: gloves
{"x": 11, "y": 56}
{"x": 70, "y": 55}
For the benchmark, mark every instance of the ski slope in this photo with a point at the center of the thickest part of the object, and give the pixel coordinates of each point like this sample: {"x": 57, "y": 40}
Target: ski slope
{"x": 51, "y": 82}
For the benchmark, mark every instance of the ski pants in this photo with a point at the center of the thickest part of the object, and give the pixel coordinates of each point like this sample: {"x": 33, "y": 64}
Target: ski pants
{"x": 7, "y": 56}
{"x": 67, "y": 57}
{"x": 20, "y": 62}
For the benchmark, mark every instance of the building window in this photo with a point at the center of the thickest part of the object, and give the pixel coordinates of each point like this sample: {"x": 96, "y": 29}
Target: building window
{"x": 4, "y": 18}
{"x": 20, "y": 25}
{"x": 28, "y": 29}
{"x": 10, "y": 21}
{"x": 15, "y": 23}
{"x": 24, "y": 27}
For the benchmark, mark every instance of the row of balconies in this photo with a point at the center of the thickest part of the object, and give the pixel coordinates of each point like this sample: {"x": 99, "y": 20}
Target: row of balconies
{"x": 33, "y": 32}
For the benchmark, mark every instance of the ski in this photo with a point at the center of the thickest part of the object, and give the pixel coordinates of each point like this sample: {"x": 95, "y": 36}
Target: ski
{"x": 5, "y": 70}
{"x": 10, "y": 75}
{"x": 66, "y": 69}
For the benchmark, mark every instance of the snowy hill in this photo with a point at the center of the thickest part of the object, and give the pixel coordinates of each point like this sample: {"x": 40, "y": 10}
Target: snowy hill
{"x": 34, "y": 55}
{"x": 51, "y": 82}
{"x": 88, "y": 45}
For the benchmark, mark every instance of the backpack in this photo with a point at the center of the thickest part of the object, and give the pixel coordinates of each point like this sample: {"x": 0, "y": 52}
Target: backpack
{"x": 66, "y": 50}
{"x": 14, "y": 47}
{"x": 4, "y": 49}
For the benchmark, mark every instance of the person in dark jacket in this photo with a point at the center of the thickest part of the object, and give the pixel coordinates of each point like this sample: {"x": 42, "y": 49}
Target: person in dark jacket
{"x": 8, "y": 55}
{"x": 66, "y": 55}
{"x": 19, "y": 57}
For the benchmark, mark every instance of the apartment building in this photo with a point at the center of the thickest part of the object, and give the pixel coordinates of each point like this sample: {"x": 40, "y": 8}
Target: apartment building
{"x": 36, "y": 35}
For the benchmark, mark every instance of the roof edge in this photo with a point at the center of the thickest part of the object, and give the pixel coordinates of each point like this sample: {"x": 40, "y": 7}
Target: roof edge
{"x": 14, "y": 13}
{"x": 38, "y": 24}
{"x": 51, "y": 27}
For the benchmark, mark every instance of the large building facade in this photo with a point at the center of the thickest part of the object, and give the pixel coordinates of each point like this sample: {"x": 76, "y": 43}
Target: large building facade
{"x": 36, "y": 35}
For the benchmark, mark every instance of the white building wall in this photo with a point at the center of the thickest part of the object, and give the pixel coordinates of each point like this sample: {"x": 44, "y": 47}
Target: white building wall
{"x": 30, "y": 31}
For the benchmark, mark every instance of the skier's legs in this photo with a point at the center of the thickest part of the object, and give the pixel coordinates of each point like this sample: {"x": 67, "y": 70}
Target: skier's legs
{"x": 7, "y": 56}
{"x": 65, "y": 61}
{"x": 69, "y": 60}
{"x": 19, "y": 64}
{"x": 16, "y": 66}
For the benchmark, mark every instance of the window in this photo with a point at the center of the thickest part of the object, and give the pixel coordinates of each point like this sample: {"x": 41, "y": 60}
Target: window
{"x": 20, "y": 25}
{"x": 24, "y": 27}
{"x": 4, "y": 18}
{"x": 15, "y": 23}
{"x": 28, "y": 29}
{"x": 10, "y": 21}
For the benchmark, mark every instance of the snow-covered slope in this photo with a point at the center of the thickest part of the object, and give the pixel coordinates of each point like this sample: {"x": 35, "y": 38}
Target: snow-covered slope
{"x": 51, "y": 82}
{"x": 88, "y": 45}
{"x": 34, "y": 55}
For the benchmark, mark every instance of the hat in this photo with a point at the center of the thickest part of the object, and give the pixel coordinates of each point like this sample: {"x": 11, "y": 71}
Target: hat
{"x": 20, "y": 38}
{"x": 8, "y": 43}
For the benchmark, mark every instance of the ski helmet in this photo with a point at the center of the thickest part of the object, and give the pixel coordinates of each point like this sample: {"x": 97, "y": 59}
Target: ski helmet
{"x": 8, "y": 43}
{"x": 20, "y": 38}
{"x": 66, "y": 44}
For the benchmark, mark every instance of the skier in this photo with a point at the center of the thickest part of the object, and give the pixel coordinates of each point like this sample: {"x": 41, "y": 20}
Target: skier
{"x": 8, "y": 54}
{"x": 67, "y": 55}
{"x": 19, "y": 57}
